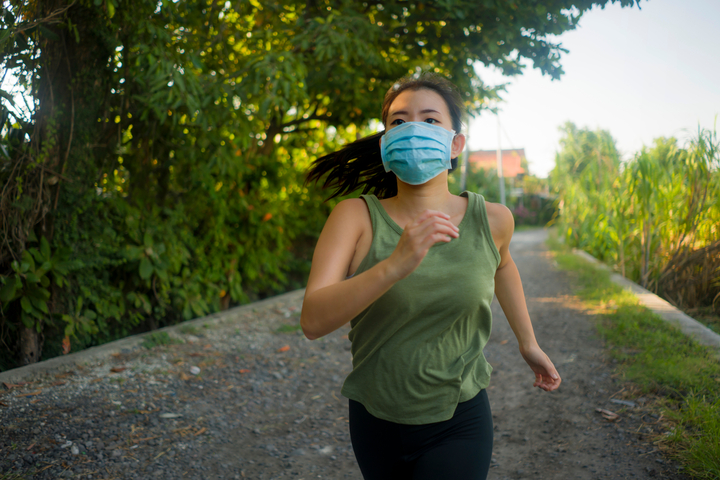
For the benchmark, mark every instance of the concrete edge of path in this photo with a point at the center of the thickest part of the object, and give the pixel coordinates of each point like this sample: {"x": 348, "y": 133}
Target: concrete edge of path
{"x": 104, "y": 351}
{"x": 688, "y": 325}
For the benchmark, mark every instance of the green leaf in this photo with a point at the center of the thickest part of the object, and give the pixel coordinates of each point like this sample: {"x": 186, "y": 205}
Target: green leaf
{"x": 199, "y": 307}
{"x": 9, "y": 98}
{"x": 36, "y": 255}
{"x": 45, "y": 248}
{"x": 32, "y": 277}
{"x": 110, "y": 8}
{"x": 162, "y": 274}
{"x": 147, "y": 239}
{"x": 27, "y": 320}
{"x": 7, "y": 292}
{"x": 40, "y": 305}
{"x": 49, "y": 34}
{"x": 26, "y": 305}
{"x": 133, "y": 253}
{"x": 8, "y": 17}
{"x": 37, "y": 292}
{"x": 146, "y": 268}
{"x": 70, "y": 327}
{"x": 27, "y": 259}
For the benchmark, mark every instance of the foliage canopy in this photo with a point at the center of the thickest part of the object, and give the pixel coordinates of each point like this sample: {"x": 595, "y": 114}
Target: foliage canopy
{"x": 158, "y": 151}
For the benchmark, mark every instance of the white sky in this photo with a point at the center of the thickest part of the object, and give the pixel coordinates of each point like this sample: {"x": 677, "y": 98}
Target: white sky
{"x": 640, "y": 74}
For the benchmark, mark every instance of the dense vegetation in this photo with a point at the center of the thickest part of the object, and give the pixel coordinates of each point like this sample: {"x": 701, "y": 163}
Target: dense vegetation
{"x": 679, "y": 378}
{"x": 655, "y": 219}
{"x": 152, "y": 169}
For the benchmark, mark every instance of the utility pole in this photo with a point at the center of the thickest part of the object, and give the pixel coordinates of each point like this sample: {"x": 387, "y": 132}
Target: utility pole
{"x": 500, "y": 164}
{"x": 464, "y": 166}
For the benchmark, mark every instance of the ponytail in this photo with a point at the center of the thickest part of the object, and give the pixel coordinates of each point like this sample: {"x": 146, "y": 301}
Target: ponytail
{"x": 356, "y": 165}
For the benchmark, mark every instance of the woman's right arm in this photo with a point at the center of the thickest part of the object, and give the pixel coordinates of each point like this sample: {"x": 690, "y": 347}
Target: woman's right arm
{"x": 330, "y": 300}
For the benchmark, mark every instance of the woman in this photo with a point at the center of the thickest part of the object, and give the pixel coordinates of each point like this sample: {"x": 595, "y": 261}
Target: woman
{"x": 415, "y": 273}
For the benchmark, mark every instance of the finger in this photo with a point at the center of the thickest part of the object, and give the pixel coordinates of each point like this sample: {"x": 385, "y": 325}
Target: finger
{"x": 552, "y": 383}
{"x": 553, "y": 373}
{"x": 433, "y": 230}
{"x": 430, "y": 216}
{"x": 430, "y": 228}
{"x": 432, "y": 213}
{"x": 435, "y": 238}
{"x": 435, "y": 224}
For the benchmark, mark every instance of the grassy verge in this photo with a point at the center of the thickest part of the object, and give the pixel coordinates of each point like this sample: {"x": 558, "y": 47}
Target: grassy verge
{"x": 657, "y": 359}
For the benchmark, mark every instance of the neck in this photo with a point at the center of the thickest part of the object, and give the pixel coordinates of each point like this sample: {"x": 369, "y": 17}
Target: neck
{"x": 414, "y": 199}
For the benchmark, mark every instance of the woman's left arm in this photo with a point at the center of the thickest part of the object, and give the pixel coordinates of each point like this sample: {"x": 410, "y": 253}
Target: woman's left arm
{"x": 509, "y": 292}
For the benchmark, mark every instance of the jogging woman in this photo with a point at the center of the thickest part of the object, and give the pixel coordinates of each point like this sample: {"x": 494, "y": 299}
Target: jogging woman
{"x": 414, "y": 268}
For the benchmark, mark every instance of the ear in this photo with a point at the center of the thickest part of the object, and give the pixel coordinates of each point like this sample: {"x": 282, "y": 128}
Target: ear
{"x": 458, "y": 145}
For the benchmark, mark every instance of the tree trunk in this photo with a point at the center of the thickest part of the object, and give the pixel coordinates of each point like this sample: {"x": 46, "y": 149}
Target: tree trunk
{"x": 30, "y": 346}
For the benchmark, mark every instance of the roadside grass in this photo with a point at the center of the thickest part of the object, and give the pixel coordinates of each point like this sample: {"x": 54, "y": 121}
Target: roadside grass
{"x": 154, "y": 339}
{"x": 707, "y": 316}
{"x": 17, "y": 476}
{"x": 525, "y": 228}
{"x": 657, "y": 359}
{"x": 189, "y": 330}
{"x": 288, "y": 328}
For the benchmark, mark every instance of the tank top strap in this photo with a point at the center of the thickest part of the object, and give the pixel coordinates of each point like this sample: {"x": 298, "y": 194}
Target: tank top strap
{"x": 477, "y": 220}
{"x": 373, "y": 205}
{"x": 381, "y": 221}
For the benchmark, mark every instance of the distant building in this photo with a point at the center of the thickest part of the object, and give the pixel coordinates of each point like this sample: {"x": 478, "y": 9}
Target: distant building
{"x": 513, "y": 161}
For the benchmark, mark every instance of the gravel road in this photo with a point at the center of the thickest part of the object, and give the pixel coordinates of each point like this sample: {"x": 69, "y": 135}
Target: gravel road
{"x": 250, "y": 397}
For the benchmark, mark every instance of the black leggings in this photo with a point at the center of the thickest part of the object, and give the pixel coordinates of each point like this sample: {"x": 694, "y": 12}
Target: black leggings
{"x": 459, "y": 448}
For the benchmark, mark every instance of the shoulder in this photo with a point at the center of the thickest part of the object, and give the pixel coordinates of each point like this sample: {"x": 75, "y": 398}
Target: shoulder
{"x": 502, "y": 223}
{"x": 352, "y": 208}
{"x": 351, "y": 214}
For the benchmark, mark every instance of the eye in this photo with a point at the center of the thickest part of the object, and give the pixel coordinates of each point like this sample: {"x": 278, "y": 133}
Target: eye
{"x": 397, "y": 121}
{"x": 431, "y": 121}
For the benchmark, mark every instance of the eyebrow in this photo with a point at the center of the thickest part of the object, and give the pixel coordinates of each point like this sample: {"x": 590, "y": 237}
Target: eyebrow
{"x": 403, "y": 112}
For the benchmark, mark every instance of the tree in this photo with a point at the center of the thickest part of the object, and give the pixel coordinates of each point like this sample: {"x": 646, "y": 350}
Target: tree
{"x": 159, "y": 161}
{"x": 586, "y": 152}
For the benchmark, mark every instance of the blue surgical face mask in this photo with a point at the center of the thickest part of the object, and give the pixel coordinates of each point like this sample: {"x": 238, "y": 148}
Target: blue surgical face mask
{"x": 417, "y": 151}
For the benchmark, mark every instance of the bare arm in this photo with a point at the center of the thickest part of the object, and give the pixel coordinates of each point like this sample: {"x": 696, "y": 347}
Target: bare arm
{"x": 509, "y": 292}
{"x": 330, "y": 300}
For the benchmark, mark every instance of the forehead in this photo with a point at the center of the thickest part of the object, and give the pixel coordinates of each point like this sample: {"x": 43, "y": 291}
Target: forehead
{"x": 422, "y": 99}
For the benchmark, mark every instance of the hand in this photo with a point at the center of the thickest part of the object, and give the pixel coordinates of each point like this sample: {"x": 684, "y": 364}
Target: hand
{"x": 546, "y": 377}
{"x": 429, "y": 228}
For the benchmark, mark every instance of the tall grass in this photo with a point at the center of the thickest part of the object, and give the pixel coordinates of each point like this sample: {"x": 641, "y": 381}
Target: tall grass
{"x": 655, "y": 219}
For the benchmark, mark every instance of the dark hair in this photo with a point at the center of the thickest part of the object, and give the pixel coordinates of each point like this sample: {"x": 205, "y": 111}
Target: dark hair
{"x": 359, "y": 163}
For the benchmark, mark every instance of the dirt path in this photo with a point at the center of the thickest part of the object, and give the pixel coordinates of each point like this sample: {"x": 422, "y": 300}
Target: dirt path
{"x": 266, "y": 403}
{"x": 560, "y": 435}
{"x": 537, "y": 435}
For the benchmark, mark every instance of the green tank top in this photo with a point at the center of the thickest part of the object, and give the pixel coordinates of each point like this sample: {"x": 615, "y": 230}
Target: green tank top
{"x": 418, "y": 349}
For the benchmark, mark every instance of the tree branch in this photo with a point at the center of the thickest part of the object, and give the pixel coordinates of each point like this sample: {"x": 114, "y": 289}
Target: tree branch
{"x": 306, "y": 119}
